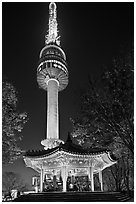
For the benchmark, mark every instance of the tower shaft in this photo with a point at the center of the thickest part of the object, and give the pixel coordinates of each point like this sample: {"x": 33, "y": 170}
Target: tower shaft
{"x": 52, "y": 76}
{"x": 52, "y": 110}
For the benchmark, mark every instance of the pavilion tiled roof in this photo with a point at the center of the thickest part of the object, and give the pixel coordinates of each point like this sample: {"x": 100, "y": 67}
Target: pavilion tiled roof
{"x": 68, "y": 146}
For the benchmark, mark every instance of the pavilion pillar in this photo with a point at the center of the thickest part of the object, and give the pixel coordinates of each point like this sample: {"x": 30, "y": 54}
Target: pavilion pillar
{"x": 72, "y": 178}
{"x": 91, "y": 178}
{"x": 41, "y": 180}
{"x": 100, "y": 180}
{"x": 64, "y": 173}
{"x": 54, "y": 180}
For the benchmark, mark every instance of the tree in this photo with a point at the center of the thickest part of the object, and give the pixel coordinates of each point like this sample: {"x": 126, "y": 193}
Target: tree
{"x": 91, "y": 128}
{"x": 106, "y": 118}
{"x": 110, "y": 111}
{"x": 12, "y": 122}
{"x": 12, "y": 181}
{"x": 119, "y": 84}
{"x": 122, "y": 172}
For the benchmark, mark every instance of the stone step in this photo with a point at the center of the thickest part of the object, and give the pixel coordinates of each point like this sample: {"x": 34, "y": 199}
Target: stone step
{"x": 74, "y": 197}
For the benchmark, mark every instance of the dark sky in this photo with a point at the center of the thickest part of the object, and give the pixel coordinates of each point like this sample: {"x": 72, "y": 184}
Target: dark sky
{"x": 92, "y": 34}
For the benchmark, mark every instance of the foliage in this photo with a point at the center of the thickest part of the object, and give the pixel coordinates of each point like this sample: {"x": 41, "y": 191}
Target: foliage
{"x": 108, "y": 112}
{"x": 119, "y": 84}
{"x": 12, "y": 122}
{"x": 12, "y": 181}
{"x": 106, "y": 119}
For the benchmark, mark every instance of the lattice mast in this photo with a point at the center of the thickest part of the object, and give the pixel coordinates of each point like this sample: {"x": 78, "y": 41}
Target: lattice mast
{"x": 52, "y": 36}
{"x": 52, "y": 76}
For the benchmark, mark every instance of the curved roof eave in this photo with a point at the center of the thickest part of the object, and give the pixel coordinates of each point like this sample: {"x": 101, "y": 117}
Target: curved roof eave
{"x": 46, "y": 153}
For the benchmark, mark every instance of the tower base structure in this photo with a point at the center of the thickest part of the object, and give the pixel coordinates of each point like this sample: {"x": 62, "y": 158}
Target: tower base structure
{"x": 51, "y": 143}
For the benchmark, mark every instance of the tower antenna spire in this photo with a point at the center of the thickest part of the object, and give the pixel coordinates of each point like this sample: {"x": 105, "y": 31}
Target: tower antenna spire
{"x": 52, "y": 36}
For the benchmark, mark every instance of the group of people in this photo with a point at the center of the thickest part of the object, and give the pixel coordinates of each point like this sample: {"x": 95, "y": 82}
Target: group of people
{"x": 49, "y": 186}
{"x": 78, "y": 186}
{"x": 73, "y": 184}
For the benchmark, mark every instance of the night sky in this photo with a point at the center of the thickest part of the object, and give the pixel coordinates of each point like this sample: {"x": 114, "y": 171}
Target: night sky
{"x": 92, "y": 34}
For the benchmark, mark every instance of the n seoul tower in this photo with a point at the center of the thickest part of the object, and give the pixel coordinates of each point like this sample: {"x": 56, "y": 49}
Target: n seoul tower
{"x": 52, "y": 76}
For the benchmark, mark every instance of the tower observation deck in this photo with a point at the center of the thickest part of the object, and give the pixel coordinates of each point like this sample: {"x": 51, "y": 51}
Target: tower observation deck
{"x": 52, "y": 76}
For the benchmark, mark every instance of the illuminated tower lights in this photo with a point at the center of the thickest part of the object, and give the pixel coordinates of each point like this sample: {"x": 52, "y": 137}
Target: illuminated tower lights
{"x": 52, "y": 76}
